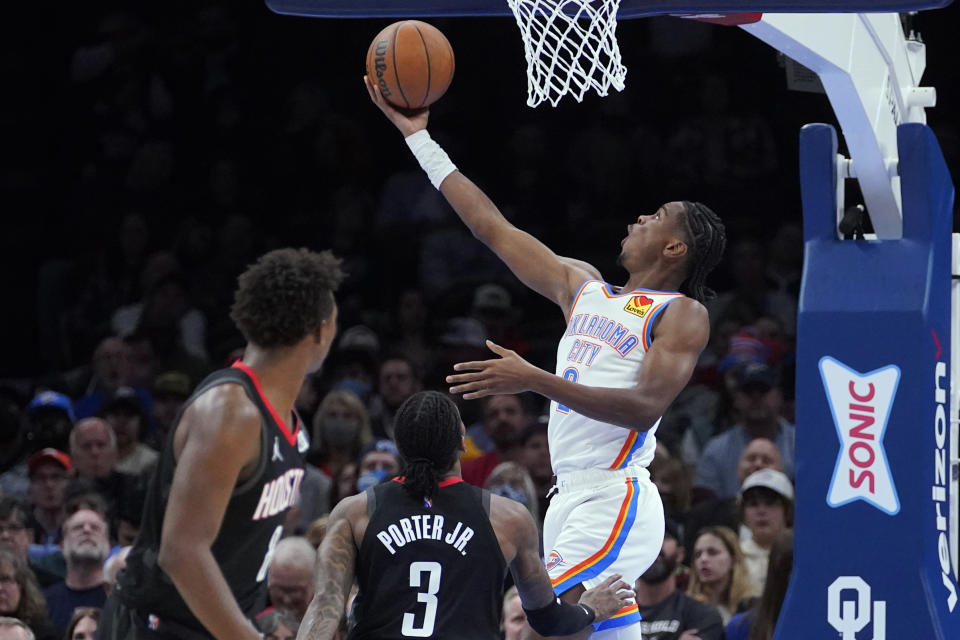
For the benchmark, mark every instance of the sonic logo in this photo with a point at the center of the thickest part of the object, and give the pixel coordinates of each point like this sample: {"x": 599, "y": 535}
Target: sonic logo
{"x": 861, "y": 403}
{"x": 638, "y": 305}
{"x": 553, "y": 560}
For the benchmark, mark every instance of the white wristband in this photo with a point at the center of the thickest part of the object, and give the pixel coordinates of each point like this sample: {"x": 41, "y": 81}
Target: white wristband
{"x": 432, "y": 158}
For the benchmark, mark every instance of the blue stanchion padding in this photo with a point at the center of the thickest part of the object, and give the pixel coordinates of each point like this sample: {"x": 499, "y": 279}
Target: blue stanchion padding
{"x": 872, "y": 512}
{"x": 628, "y": 8}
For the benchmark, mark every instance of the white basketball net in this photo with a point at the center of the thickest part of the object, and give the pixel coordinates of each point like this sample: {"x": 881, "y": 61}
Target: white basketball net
{"x": 570, "y": 46}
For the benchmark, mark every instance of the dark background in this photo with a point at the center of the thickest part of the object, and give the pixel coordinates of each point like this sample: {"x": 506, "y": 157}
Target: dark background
{"x": 233, "y": 130}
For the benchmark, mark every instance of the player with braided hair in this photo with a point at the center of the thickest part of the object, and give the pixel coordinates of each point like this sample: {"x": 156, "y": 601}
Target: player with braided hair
{"x": 430, "y": 552}
{"x": 625, "y": 355}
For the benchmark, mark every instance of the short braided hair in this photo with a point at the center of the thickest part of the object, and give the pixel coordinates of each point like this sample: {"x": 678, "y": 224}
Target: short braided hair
{"x": 707, "y": 239}
{"x": 427, "y": 431}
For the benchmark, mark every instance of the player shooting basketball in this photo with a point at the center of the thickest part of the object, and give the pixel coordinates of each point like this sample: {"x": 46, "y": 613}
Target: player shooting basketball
{"x": 626, "y": 354}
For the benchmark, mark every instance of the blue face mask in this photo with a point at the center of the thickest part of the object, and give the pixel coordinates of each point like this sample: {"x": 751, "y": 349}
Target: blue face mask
{"x": 360, "y": 388}
{"x": 369, "y": 479}
{"x": 509, "y": 491}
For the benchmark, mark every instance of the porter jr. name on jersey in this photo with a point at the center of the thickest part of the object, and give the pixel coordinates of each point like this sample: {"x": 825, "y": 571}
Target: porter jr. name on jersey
{"x": 279, "y": 494}
{"x": 424, "y": 527}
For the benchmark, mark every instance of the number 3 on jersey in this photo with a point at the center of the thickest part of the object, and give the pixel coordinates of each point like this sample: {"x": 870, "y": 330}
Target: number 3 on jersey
{"x": 428, "y": 597}
{"x": 571, "y": 374}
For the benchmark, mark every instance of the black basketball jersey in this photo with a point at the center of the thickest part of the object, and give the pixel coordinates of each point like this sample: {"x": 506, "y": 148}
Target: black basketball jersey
{"x": 252, "y": 524}
{"x": 429, "y": 570}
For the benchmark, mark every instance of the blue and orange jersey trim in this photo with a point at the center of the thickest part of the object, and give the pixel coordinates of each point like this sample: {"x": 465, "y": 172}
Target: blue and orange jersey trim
{"x": 579, "y": 293}
{"x": 610, "y": 293}
{"x": 630, "y": 446}
{"x": 595, "y": 564}
{"x": 646, "y": 336}
{"x": 630, "y": 614}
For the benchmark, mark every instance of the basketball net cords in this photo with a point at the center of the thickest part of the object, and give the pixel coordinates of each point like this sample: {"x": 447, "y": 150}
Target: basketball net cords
{"x": 570, "y": 47}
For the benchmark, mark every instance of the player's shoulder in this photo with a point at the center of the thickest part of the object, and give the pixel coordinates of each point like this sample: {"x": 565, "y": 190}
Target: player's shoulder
{"x": 223, "y": 404}
{"x": 509, "y": 516}
{"x": 685, "y": 314}
{"x": 350, "y": 507}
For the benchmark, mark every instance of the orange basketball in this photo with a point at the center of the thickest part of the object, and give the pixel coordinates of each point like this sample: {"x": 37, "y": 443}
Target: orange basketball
{"x": 412, "y": 63}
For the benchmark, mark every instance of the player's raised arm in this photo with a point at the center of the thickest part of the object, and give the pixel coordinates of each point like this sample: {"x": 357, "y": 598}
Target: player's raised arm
{"x": 530, "y": 260}
{"x": 217, "y": 438}
{"x": 336, "y": 559}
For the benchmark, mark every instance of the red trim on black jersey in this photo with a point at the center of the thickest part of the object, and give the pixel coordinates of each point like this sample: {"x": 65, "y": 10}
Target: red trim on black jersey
{"x": 291, "y": 437}
{"x": 442, "y": 483}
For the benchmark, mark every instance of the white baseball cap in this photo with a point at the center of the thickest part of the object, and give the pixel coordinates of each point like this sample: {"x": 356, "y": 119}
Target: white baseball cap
{"x": 770, "y": 479}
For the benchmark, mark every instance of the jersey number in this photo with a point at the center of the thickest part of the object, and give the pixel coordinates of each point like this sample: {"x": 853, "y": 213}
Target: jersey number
{"x": 571, "y": 374}
{"x": 428, "y": 597}
{"x": 265, "y": 565}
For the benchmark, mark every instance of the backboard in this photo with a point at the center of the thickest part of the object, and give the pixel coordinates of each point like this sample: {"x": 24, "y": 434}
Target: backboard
{"x": 628, "y": 8}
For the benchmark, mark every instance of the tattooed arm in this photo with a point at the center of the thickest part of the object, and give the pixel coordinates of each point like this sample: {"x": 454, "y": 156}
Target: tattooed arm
{"x": 335, "y": 566}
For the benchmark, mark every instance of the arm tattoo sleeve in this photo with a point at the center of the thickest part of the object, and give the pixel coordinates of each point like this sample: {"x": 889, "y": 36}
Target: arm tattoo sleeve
{"x": 335, "y": 566}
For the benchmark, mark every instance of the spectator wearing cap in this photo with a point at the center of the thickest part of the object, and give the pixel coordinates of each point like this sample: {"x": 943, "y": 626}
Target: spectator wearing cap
{"x": 668, "y": 613}
{"x": 505, "y": 419}
{"x": 493, "y": 307}
{"x": 48, "y": 420}
{"x": 124, "y": 413}
{"x": 766, "y": 510}
{"x": 757, "y": 401}
{"x": 397, "y": 380}
{"x": 49, "y": 470}
{"x": 170, "y": 390}
{"x": 379, "y": 461}
{"x": 761, "y": 453}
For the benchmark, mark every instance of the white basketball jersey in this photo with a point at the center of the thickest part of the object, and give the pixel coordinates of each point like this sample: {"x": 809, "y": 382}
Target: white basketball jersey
{"x": 604, "y": 345}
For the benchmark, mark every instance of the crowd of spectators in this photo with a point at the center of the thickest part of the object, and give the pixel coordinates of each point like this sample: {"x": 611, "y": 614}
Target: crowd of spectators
{"x": 172, "y": 146}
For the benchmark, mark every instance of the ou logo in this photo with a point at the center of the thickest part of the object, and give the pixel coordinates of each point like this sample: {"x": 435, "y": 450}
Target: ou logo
{"x": 850, "y": 616}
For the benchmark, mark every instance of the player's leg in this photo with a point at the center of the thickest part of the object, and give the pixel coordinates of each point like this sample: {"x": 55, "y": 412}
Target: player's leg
{"x": 616, "y": 528}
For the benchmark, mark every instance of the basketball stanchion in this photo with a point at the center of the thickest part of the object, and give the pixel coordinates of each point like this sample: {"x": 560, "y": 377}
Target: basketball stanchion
{"x": 876, "y": 541}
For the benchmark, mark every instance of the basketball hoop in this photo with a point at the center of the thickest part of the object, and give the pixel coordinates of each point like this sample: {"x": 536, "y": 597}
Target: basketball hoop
{"x": 570, "y": 46}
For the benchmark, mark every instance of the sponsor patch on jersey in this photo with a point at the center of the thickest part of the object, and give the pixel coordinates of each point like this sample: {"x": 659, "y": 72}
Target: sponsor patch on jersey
{"x": 638, "y": 305}
{"x": 303, "y": 443}
{"x": 553, "y": 560}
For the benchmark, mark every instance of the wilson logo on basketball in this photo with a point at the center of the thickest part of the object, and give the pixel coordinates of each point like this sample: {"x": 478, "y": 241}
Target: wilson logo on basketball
{"x": 861, "y": 403}
{"x": 638, "y": 306}
{"x": 553, "y": 560}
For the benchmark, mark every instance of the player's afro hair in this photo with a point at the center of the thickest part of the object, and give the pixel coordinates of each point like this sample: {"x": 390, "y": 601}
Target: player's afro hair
{"x": 284, "y": 296}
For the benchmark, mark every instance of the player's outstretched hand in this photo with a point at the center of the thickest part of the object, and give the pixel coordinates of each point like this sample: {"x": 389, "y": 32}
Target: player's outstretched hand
{"x": 505, "y": 375}
{"x": 608, "y": 597}
{"x": 408, "y": 121}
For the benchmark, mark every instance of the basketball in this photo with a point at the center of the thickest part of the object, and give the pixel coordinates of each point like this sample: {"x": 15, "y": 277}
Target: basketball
{"x": 412, "y": 63}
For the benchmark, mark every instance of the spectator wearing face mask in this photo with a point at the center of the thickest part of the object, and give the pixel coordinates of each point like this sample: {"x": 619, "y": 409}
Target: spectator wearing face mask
{"x": 511, "y": 480}
{"x": 341, "y": 429}
{"x": 379, "y": 461}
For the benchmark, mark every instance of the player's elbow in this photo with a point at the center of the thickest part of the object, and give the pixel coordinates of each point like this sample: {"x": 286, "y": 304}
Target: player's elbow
{"x": 173, "y": 556}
